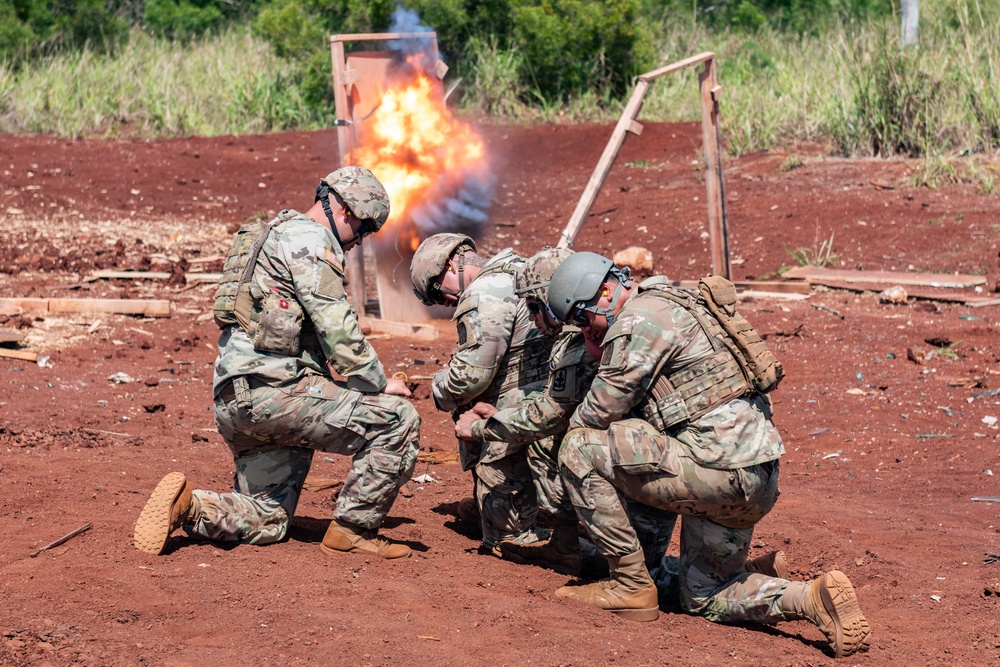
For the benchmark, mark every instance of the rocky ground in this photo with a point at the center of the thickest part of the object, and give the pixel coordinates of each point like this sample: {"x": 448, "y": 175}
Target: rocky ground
{"x": 889, "y": 414}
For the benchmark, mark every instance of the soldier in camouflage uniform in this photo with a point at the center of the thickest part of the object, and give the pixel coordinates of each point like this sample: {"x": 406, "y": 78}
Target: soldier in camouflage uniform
{"x": 546, "y": 413}
{"x": 705, "y": 448}
{"x": 286, "y": 328}
{"x": 500, "y": 359}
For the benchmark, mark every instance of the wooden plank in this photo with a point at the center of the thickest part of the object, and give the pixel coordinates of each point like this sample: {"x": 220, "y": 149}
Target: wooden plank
{"x": 11, "y": 336}
{"x": 148, "y": 307}
{"x": 776, "y": 286}
{"x": 679, "y": 65}
{"x": 603, "y": 166}
{"x": 22, "y": 306}
{"x": 971, "y": 300}
{"x": 711, "y": 138}
{"x": 884, "y": 278}
{"x": 110, "y": 274}
{"x": 401, "y": 329}
{"x": 18, "y": 354}
{"x": 198, "y": 278}
{"x": 381, "y": 36}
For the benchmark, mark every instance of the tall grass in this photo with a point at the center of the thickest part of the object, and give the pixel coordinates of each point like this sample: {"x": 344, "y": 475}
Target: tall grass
{"x": 229, "y": 84}
{"x": 850, "y": 85}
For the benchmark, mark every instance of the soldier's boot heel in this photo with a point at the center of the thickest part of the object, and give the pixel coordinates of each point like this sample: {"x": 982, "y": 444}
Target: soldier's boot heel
{"x": 773, "y": 564}
{"x": 630, "y": 593}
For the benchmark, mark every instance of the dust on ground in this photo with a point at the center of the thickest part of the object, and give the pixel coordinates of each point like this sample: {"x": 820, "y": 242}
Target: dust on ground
{"x": 888, "y": 435}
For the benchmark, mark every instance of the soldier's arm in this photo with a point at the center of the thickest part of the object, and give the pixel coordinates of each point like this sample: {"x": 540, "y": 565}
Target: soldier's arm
{"x": 629, "y": 357}
{"x": 319, "y": 287}
{"x": 484, "y": 323}
{"x": 571, "y": 370}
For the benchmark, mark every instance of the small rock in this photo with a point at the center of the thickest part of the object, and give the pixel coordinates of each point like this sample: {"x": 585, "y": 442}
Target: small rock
{"x": 894, "y": 295}
{"x": 120, "y": 378}
{"x": 638, "y": 259}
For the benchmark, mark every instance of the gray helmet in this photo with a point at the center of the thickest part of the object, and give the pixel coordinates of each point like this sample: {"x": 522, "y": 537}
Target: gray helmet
{"x": 577, "y": 279}
{"x": 364, "y": 195}
{"x": 430, "y": 261}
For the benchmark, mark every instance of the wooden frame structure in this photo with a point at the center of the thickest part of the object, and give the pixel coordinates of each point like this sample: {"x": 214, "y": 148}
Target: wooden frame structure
{"x": 367, "y": 74}
{"x": 710, "y": 92}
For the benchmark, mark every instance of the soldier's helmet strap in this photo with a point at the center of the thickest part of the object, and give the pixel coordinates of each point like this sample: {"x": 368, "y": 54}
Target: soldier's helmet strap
{"x": 624, "y": 276}
{"x": 460, "y": 264}
{"x": 323, "y": 195}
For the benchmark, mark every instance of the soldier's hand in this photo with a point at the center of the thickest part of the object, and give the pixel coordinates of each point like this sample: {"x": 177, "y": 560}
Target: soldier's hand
{"x": 463, "y": 427}
{"x": 485, "y": 410}
{"x": 396, "y": 387}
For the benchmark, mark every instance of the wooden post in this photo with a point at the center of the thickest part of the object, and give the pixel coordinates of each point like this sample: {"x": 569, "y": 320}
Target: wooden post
{"x": 345, "y": 143}
{"x": 625, "y": 124}
{"x": 712, "y": 141}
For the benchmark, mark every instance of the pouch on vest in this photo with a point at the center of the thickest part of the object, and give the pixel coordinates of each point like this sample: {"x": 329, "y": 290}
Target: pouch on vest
{"x": 761, "y": 365}
{"x": 279, "y": 326}
{"x": 639, "y": 449}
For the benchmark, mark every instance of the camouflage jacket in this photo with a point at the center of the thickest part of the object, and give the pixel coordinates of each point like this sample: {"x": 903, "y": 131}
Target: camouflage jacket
{"x": 571, "y": 370}
{"x": 301, "y": 258}
{"x": 651, "y": 330}
{"x": 494, "y": 337}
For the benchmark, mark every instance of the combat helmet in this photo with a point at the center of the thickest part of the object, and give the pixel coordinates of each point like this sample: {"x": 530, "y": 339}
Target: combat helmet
{"x": 361, "y": 192}
{"x": 578, "y": 280}
{"x": 431, "y": 260}
{"x": 533, "y": 278}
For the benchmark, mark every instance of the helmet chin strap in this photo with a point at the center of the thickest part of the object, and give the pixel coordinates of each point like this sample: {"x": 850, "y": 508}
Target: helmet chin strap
{"x": 460, "y": 264}
{"x": 323, "y": 196}
{"x": 624, "y": 277}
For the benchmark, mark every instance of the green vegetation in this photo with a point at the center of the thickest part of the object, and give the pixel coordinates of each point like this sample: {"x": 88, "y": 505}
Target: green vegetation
{"x": 791, "y": 70}
{"x": 819, "y": 257}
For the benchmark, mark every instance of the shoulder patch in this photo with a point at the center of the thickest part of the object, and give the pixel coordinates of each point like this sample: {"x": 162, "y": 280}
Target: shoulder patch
{"x": 468, "y": 302}
{"x": 332, "y": 260}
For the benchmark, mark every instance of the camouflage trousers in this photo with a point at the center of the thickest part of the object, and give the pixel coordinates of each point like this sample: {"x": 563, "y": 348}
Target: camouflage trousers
{"x": 509, "y": 490}
{"x": 273, "y": 432}
{"x": 605, "y": 469}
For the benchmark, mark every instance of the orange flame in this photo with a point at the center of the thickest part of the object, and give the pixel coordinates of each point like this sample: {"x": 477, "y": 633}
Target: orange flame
{"x": 416, "y": 147}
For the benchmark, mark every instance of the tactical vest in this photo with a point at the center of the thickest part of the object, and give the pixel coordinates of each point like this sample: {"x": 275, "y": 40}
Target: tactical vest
{"x": 524, "y": 364}
{"x": 689, "y": 392}
{"x": 274, "y": 322}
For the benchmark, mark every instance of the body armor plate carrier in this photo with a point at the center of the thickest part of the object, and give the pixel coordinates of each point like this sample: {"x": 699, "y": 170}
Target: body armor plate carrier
{"x": 739, "y": 364}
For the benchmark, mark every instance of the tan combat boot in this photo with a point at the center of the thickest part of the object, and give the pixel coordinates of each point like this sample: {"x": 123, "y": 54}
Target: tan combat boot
{"x": 630, "y": 593}
{"x": 561, "y": 552}
{"x": 773, "y": 564}
{"x": 342, "y": 538}
{"x": 169, "y": 507}
{"x": 831, "y": 603}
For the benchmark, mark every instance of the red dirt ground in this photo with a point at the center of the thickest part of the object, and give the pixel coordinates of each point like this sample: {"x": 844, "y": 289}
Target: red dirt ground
{"x": 883, "y": 453}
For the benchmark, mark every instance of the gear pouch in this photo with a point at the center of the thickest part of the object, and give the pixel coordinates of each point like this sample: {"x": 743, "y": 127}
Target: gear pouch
{"x": 639, "y": 449}
{"x": 280, "y": 326}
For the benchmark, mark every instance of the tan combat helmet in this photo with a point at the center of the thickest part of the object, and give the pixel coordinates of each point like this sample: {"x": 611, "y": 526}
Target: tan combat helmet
{"x": 431, "y": 260}
{"x": 361, "y": 193}
{"x": 533, "y": 278}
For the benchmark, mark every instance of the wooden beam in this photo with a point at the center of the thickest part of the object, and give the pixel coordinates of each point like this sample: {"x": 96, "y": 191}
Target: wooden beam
{"x": 18, "y": 354}
{"x": 885, "y": 278}
{"x": 677, "y": 66}
{"x": 718, "y": 230}
{"x": 776, "y": 286}
{"x": 381, "y": 36}
{"x": 603, "y": 166}
{"x": 401, "y": 329}
{"x": 148, "y": 307}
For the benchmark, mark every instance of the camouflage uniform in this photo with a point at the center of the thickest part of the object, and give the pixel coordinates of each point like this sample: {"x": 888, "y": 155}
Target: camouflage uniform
{"x": 500, "y": 359}
{"x": 719, "y": 469}
{"x": 547, "y": 413}
{"x": 274, "y": 409}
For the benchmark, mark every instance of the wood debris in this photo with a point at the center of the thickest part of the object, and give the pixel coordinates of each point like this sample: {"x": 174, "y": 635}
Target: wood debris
{"x": 68, "y": 536}
{"x": 148, "y": 307}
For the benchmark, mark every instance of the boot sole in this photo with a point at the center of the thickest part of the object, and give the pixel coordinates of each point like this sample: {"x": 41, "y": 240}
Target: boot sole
{"x": 337, "y": 552}
{"x": 152, "y": 528}
{"x": 841, "y": 603}
{"x": 641, "y": 615}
